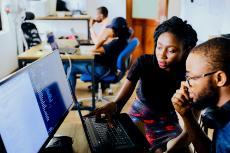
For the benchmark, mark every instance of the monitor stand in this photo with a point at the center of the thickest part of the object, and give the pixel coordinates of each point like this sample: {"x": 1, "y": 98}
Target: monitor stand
{"x": 59, "y": 144}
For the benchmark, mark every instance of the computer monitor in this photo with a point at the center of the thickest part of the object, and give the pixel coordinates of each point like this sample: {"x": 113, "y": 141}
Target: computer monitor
{"x": 62, "y": 5}
{"x": 33, "y": 103}
{"x": 0, "y": 21}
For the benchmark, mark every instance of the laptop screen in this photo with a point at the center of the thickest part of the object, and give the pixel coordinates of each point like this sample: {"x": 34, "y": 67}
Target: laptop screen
{"x": 33, "y": 103}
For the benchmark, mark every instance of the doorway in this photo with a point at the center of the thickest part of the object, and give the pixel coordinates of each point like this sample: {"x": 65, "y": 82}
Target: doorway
{"x": 144, "y": 17}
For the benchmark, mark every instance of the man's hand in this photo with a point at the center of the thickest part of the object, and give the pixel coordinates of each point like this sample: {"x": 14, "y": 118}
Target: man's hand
{"x": 181, "y": 100}
{"x": 91, "y": 22}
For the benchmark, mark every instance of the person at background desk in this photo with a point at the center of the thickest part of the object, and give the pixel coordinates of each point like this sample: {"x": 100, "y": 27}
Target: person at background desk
{"x": 102, "y": 19}
{"x": 159, "y": 76}
{"x": 106, "y": 51}
{"x": 207, "y": 87}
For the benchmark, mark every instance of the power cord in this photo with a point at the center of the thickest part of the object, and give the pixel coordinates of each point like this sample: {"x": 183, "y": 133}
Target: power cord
{"x": 69, "y": 69}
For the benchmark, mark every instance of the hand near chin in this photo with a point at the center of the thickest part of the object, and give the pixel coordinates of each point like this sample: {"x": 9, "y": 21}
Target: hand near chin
{"x": 91, "y": 22}
{"x": 181, "y": 100}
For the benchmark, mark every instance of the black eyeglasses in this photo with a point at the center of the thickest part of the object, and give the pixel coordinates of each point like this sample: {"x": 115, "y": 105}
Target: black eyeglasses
{"x": 197, "y": 77}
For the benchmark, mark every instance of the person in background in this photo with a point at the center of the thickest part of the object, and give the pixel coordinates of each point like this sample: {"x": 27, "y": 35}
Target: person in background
{"x": 207, "y": 87}
{"x": 106, "y": 52}
{"x": 159, "y": 76}
{"x": 102, "y": 19}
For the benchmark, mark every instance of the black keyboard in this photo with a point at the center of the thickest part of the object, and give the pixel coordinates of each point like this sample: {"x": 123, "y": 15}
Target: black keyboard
{"x": 118, "y": 136}
{"x": 104, "y": 136}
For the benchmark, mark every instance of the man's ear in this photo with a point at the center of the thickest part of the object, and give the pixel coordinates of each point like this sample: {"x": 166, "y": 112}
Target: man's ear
{"x": 221, "y": 78}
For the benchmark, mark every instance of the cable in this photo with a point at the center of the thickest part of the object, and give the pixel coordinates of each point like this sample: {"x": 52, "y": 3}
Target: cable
{"x": 69, "y": 69}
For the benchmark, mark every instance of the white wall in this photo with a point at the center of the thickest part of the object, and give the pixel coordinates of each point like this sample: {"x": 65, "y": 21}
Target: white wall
{"x": 174, "y": 8}
{"x": 207, "y": 17}
{"x": 115, "y": 7}
{"x": 8, "y": 49}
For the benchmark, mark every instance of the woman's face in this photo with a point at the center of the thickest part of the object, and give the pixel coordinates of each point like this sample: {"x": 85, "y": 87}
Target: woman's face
{"x": 169, "y": 50}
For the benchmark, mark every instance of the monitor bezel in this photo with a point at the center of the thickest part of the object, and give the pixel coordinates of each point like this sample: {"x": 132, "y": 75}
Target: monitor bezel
{"x": 15, "y": 74}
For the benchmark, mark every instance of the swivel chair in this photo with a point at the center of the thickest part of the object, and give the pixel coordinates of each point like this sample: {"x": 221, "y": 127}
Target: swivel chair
{"x": 122, "y": 65}
{"x": 30, "y": 31}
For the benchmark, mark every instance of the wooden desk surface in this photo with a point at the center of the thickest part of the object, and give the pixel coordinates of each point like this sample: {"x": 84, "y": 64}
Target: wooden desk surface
{"x": 80, "y": 17}
{"x": 72, "y": 127}
{"x": 39, "y": 51}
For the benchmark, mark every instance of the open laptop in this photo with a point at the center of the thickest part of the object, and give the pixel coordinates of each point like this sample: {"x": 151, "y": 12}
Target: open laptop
{"x": 69, "y": 46}
{"x": 82, "y": 42}
{"x": 123, "y": 137}
{"x": 85, "y": 42}
{"x": 33, "y": 103}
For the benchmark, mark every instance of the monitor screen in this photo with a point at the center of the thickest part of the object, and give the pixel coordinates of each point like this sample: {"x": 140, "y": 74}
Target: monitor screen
{"x": 71, "y": 5}
{"x": 33, "y": 103}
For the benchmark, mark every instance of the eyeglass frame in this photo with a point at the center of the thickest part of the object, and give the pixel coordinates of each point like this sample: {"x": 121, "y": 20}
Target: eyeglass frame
{"x": 198, "y": 77}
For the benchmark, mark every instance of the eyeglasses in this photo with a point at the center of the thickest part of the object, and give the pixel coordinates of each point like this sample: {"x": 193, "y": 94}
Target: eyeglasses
{"x": 188, "y": 79}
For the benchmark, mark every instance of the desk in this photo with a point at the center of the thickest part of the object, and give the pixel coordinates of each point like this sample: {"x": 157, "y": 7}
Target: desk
{"x": 80, "y": 17}
{"x": 38, "y": 51}
{"x": 72, "y": 127}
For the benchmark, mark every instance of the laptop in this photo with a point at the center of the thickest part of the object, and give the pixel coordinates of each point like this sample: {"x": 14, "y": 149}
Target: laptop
{"x": 123, "y": 137}
{"x": 85, "y": 42}
{"x": 64, "y": 46}
{"x": 82, "y": 42}
{"x": 33, "y": 103}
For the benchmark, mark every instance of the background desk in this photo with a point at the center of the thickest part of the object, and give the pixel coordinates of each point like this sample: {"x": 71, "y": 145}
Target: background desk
{"x": 38, "y": 51}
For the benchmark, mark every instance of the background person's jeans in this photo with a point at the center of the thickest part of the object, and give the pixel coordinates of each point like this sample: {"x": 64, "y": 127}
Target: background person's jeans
{"x": 83, "y": 68}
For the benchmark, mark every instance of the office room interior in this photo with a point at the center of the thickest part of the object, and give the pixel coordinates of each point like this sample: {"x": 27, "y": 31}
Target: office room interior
{"x": 208, "y": 18}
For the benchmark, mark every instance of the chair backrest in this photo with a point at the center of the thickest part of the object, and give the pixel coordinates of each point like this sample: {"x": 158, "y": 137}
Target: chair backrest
{"x": 30, "y": 31}
{"x": 123, "y": 58}
{"x": 111, "y": 77}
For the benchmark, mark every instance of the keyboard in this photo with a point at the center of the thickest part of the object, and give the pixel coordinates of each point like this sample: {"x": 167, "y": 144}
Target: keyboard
{"x": 104, "y": 137}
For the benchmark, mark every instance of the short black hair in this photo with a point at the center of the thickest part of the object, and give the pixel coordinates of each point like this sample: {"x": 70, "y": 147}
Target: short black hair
{"x": 103, "y": 10}
{"x": 180, "y": 29}
{"x": 217, "y": 53}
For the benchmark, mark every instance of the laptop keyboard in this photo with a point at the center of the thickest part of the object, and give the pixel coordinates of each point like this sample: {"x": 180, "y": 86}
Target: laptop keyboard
{"x": 116, "y": 136}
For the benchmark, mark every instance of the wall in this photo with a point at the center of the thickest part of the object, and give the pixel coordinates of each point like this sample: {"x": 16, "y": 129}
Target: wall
{"x": 174, "y": 8}
{"x": 207, "y": 17}
{"x": 8, "y": 49}
{"x": 116, "y": 7}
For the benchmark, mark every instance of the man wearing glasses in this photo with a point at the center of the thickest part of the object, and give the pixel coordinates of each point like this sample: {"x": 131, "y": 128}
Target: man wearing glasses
{"x": 207, "y": 87}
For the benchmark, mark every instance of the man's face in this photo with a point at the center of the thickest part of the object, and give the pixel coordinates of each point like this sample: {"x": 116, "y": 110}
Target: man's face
{"x": 202, "y": 89}
{"x": 99, "y": 16}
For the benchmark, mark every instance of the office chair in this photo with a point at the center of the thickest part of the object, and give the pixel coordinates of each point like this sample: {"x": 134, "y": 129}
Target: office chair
{"x": 114, "y": 77}
{"x": 30, "y": 31}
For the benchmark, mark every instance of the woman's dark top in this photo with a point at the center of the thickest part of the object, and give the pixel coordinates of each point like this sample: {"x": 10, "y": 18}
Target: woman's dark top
{"x": 112, "y": 51}
{"x": 156, "y": 86}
